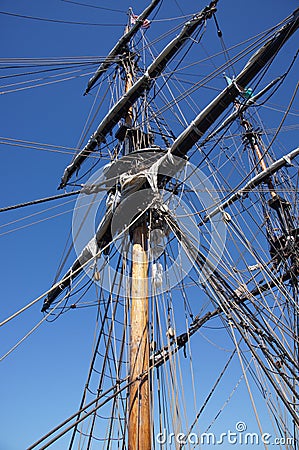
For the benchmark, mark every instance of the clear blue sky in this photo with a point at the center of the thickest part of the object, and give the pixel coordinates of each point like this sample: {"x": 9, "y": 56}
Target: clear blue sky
{"x": 41, "y": 382}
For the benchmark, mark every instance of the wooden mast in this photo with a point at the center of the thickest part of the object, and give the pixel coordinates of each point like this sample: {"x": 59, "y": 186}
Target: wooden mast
{"x": 257, "y": 151}
{"x": 139, "y": 435}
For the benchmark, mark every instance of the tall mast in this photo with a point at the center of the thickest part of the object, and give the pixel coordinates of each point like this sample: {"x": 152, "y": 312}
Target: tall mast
{"x": 256, "y": 150}
{"x": 120, "y": 109}
{"x": 128, "y": 85}
{"x": 139, "y": 436}
{"x": 279, "y": 204}
{"x": 191, "y": 135}
{"x": 121, "y": 44}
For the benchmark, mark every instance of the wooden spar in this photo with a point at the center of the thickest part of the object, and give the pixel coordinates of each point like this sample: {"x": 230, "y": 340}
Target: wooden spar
{"x": 139, "y": 436}
{"x": 121, "y": 44}
{"x": 197, "y": 128}
{"x": 255, "y": 181}
{"x": 120, "y": 109}
{"x": 257, "y": 152}
{"x": 242, "y": 107}
{"x": 128, "y": 85}
{"x": 209, "y": 115}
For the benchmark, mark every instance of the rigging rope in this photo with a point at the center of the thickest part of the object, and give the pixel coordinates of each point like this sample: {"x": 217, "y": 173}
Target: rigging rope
{"x": 94, "y": 6}
{"x": 41, "y": 200}
{"x": 212, "y": 391}
{"x": 246, "y": 381}
{"x": 65, "y": 22}
{"x": 100, "y": 252}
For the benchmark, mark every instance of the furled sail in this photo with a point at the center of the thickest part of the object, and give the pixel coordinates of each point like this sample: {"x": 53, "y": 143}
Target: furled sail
{"x": 210, "y": 114}
{"x": 121, "y": 44}
{"x": 240, "y": 108}
{"x": 120, "y": 109}
{"x": 255, "y": 181}
{"x": 194, "y": 131}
